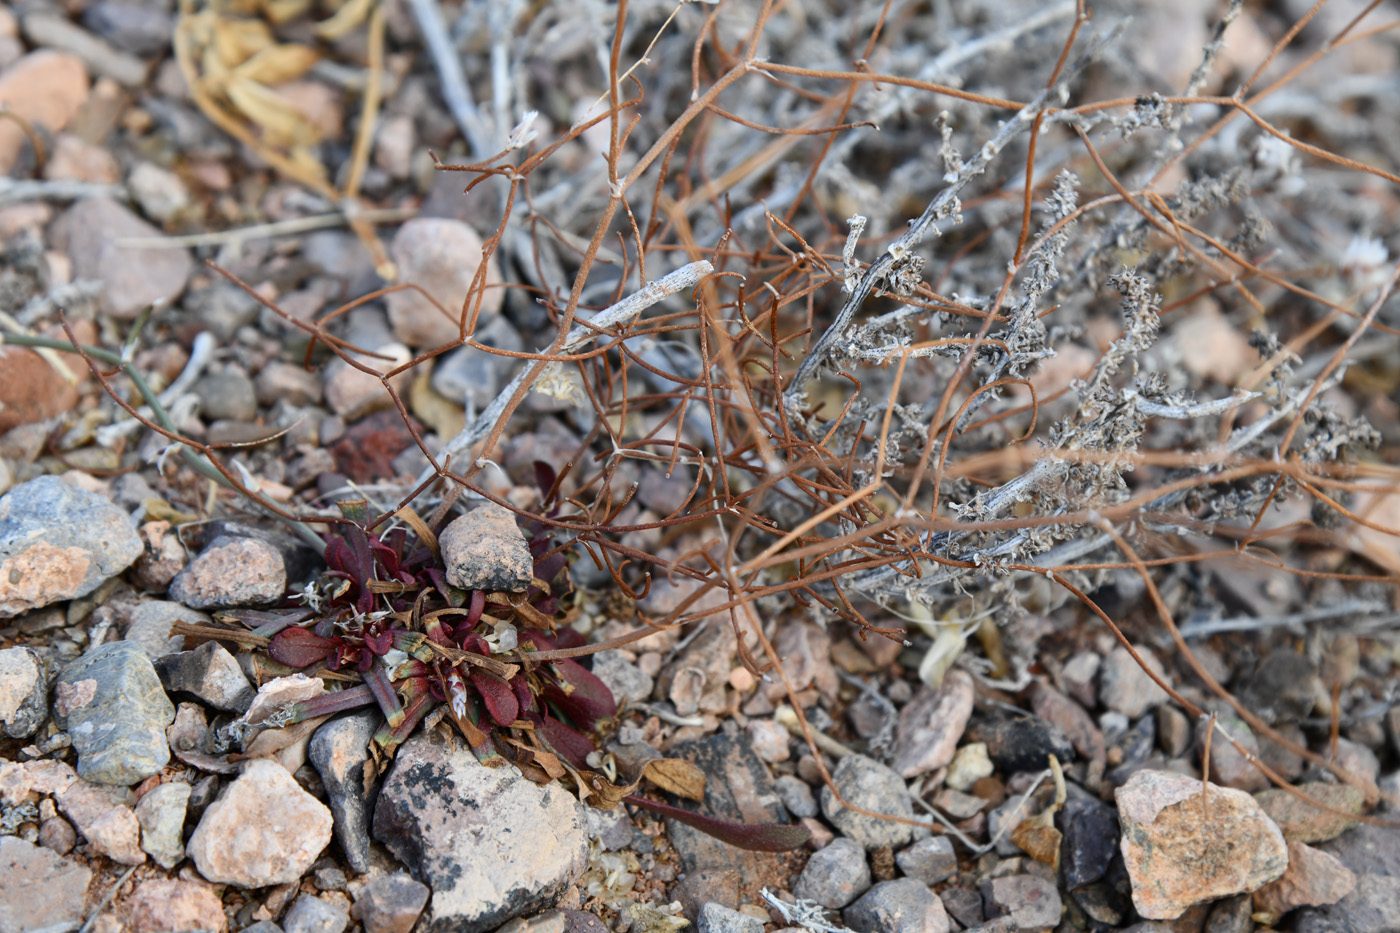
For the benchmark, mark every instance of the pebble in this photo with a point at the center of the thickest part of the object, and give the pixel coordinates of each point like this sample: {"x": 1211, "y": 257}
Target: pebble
{"x": 161, "y": 813}
{"x": 447, "y": 815}
{"x": 835, "y": 875}
{"x": 31, "y": 389}
{"x": 57, "y": 835}
{"x": 24, "y": 692}
{"x": 264, "y": 829}
{"x": 1173, "y": 731}
{"x": 131, "y": 26}
{"x": 1090, "y": 829}
{"x": 469, "y": 373}
{"x": 74, "y": 159}
{"x": 716, "y": 918}
{"x": 486, "y": 550}
{"x": 929, "y": 860}
{"x": 1228, "y": 767}
{"x": 45, "y": 87}
{"x": 100, "y": 813}
{"x": 1077, "y": 676}
{"x": 150, "y": 624}
{"x": 931, "y": 724}
{"x": 1231, "y": 915}
{"x": 970, "y": 765}
{"x": 221, "y": 308}
{"x": 1021, "y": 743}
{"x": 1070, "y": 718}
{"x": 161, "y": 906}
{"x": 162, "y": 557}
{"x": 1372, "y": 907}
{"x": 391, "y": 903}
{"x": 1176, "y": 859}
{"x": 132, "y": 277}
{"x": 226, "y": 393}
{"x": 900, "y": 906}
{"x": 866, "y": 783}
{"x": 42, "y": 890}
{"x": 623, "y": 678}
{"x": 796, "y": 795}
{"x": 339, "y": 751}
{"x": 1284, "y": 687}
{"x": 440, "y": 256}
{"x": 311, "y": 914}
{"x": 1126, "y": 687}
{"x": 1032, "y": 902}
{"x": 58, "y": 542}
{"x": 352, "y": 393}
{"x": 287, "y": 381}
{"x": 112, "y": 705}
{"x": 1302, "y": 822}
{"x": 770, "y": 740}
{"x": 210, "y": 673}
{"x": 58, "y": 32}
{"x": 1314, "y": 878}
{"x": 232, "y": 572}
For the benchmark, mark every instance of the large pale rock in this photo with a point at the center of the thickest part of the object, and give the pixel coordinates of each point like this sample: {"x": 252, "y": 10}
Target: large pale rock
{"x": 41, "y": 890}
{"x": 486, "y": 550}
{"x": 100, "y": 813}
{"x": 113, "y": 707}
{"x": 441, "y": 256}
{"x": 491, "y": 844}
{"x": 231, "y": 572}
{"x": 59, "y": 542}
{"x": 132, "y": 277}
{"x": 931, "y": 724}
{"x": 264, "y": 829}
{"x": 161, "y": 906}
{"x": 45, "y": 88}
{"x": 1178, "y": 855}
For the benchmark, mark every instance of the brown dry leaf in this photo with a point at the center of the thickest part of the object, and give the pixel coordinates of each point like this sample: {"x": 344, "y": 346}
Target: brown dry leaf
{"x": 279, "y": 121}
{"x": 279, "y": 63}
{"x": 677, "y": 776}
{"x": 1039, "y": 838}
{"x": 237, "y": 40}
{"x": 280, "y": 11}
{"x": 351, "y": 14}
{"x": 271, "y": 741}
{"x": 162, "y": 511}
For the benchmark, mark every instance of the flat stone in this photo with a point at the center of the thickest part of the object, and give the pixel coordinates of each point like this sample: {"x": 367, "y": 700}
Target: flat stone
{"x": 623, "y": 678}
{"x": 931, "y": 724}
{"x": 1020, "y": 743}
{"x": 150, "y": 624}
{"x": 716, "y": 918}
{"x": 446, "y": 815}
{"x": 835, "y": 875}
{"x": 210, "y": 673}
{"x": 796, "y": 795}
{"x": 311, "y": 914}
{"x": 32, "y": 390}
{"x": 900, "y": 906}
{"x": 226, "y": 394}
{"x": 132, "y": 277}
{"x": 469, "y": 373}
{"x": 161, "y": 813}
{"x": 160, "y": 906}
{"x": 1302, "y": 822}
{"x": 100, "y": 812}
{"x": 24, "y": 692}
{"x": 1176, "y": 857}
{"x": 339, "y": 751}
{"x": 1125, "y": 687}
{"x": 441, "y": 256}
{"x": 391, "y": 903}
{"x": 486, "y": 550}
{"x": 1030, "y": 901}
{"x": 1228, "y": 766}
{"x": 929, "y": 860}
{"x": 42, "y": 890}
{"x": 59, "y": 542}
{"x": 46, "y": 88}
{"x": 263, "y": 830}
{"x": 1071, "y": 719}
{"x": 232, "y": 572}
{"x": 866, "y": 783}
{"x": 1314, "y": 879}
{"x": 112, "y": 705}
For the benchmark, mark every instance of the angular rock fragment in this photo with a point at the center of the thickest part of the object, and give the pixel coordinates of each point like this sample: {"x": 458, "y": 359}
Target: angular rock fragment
{"x": 113, "y": 707}
{"x": 901, "y": 906}
{"x": 340, "y": 752}
{"x": 867, "y": 784}
{"x": 931, "y": 724}
{"x": 485, "y": 550}
{"x": 232, "y": 572}
{"x": 24, "y": 692}
{"x": 41, "y": 890}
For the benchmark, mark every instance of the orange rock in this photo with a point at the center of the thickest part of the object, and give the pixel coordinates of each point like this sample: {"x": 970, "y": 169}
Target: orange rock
{"x": 31, "y": 389}
{"x": 43, "y": 87}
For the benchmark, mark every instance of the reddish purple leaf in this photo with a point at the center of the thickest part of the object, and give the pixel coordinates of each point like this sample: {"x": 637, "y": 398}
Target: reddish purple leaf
{"x": 756, "y": 837}
{"x": 299, "y": 647}
{"x": 571, "y": 744}
{"x": 590, "y": 699}
{"x": 499, "y": 698}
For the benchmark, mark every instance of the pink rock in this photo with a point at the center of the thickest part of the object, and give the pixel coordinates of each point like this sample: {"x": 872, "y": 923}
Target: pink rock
{"x": 171, "y": 906}
{"x": 440, "y": 256}
{"x": 132, "y": 276}
{"x": 264, "y": 829}
{"x": 46, "y": 88}
{"x": 931, "y": 724}
{"x": 1314, "y": 878}
{"x": 1178, "y": 855}
{"x": 99, "y": 813}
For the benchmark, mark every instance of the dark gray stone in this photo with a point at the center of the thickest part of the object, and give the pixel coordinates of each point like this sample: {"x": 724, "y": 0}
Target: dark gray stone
{"x": 142, "y": 29}
{"x": 339, "y": 751}
{"x": 491, "y": 844}
{"x": 226, "y": 393}
{"x": 112, "y": 705}
{"x": 471, "y": 373}
{"x": 24, "y": 692}
{"x": 866, "y": 783}
{"x": 901, "y": 906}
{"x": 59, "y": 542}
{"x": 209, "y": 673}
{"x": 1020, "y": 743}
{"x": 1372, "y": 907}
{"x": 391, "y": 903}
{"x": 835, "y": 875}
{"x": 1231, "y": 915}
{"x": 622, "y": 677}
{"x": 929, "y": 860}
{"x": 716, "y": 918}
{"x": 1090, "y": 829}
{"x": 150, "y": 623}
{"x": 310, "y": 914}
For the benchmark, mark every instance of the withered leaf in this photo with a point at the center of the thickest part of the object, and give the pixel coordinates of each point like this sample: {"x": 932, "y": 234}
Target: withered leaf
{"x": 278, "y": 63}
{"x": 280, "y": 122}
{"x": 677, "y": 776}
{"x": 1039, "y": 838}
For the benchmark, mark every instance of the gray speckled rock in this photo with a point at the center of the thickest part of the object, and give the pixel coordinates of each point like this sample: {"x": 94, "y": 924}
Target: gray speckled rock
{"x": 835, "y": 875}
{"x": 310, "y": 914}
{"x": 716, "y": 918}
{"x": 340, "y": 750}
{"x": 24, "y": 692}
{"x": 901, "y": 906}
{"x": 59, "y": 542}
{"x": 232, "y": 572}
{"x": 391, "y": 903}
{"x": 447, "y": 816}
{"x": 866, "y": 783}
{"x": 486, "y": 550}
{"x": 929, "y": 860}
{"x": 210, "y": 673}
{"x": 113, "y": 707}
{"x": 150, "y": 623}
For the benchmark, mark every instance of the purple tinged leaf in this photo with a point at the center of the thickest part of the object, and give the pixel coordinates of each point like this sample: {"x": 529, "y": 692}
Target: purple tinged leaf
{"x": 525, "y": 700}
{"x": 299, "y": 647}
{"x": 384, "y": 694}
{"x": 328, "y": 703}
{"x": 390, "y": 737}
{"x": 590, "y": 699}
{"x": 498, "y": 697}
{"x": 756, "y": 837}
{"x": 379, "y": 642}
{"x": 477, "y": 607}
{"x": 574, "y": 746}
{"x": 544, "y": 478}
